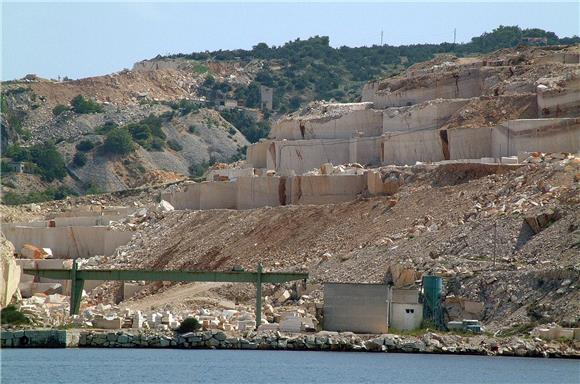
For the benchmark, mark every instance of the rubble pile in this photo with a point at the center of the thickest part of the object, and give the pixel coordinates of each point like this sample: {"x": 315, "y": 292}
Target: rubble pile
{"x": 442, "y": 220}
{"x": 46, "y": 310}
{"x": 429, "y": 342}
{"x": 142, "y": 217}
{"x": 323, "y": 110}
{"x": 341, "y": 169}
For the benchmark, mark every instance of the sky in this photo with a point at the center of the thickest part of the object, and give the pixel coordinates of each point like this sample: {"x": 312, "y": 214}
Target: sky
{"x": 81, "y": 39}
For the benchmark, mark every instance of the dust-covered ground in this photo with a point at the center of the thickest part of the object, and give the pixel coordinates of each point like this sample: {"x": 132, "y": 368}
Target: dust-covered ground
{"x": 467, "y": 223}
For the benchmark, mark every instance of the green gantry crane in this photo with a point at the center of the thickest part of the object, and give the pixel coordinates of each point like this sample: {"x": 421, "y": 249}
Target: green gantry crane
{"x": 78, "y": 277}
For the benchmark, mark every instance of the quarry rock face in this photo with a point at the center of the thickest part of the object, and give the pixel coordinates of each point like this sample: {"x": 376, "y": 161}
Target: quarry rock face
{"x": 466, "y": 169}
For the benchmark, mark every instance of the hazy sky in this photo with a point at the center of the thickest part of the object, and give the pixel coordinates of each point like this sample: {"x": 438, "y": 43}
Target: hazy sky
{"x": 80, "y": 39}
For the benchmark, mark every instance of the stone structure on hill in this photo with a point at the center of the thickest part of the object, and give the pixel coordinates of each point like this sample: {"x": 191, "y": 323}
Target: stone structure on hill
{"x": 486, "y": 110}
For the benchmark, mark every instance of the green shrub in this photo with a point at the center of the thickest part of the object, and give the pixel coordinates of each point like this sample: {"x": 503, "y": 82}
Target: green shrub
{"x": 85, "y": 145}
{"x": 200, "y": 68}
{"x": 156, "y": 144}
{"x": 246, "y": 124}
{"x": 240, "y": 155}
{"x": 11, "y": 198}
{"x": 59, "y": 109}
{"x": 49, "y": 160}
{"x": 10, "y": 315}
{"x": 175, "y": 145}
{"x": 93, "y": 189}
{"x": 81, "y": 105}
{"x": 106, "y": 128}
{"x": 167, "y": 116}
{"x": 141, "y": 133}
{"x": 80, "y": 159}
{"x": 192, "y": 129}
{"x": 148, "y": 133}
{"x": 198, "y": 169}
{"x": 118, "y": 141}
{"x": 191, "y": 324}
{"x": 17, "y": 153}
{"x": 295, "y": 102}
{"x": 232, "y": 131}
{"x": 4, "y": 169}
{"x": 209, "y": 81}
{"x": 187, "y": 106}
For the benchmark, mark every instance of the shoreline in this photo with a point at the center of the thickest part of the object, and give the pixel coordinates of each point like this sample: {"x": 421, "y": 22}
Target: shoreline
{"x": 428, "y": 343}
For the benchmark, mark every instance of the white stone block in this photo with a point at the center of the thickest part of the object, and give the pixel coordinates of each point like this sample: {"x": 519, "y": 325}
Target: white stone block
{"x": 509, "y": 160}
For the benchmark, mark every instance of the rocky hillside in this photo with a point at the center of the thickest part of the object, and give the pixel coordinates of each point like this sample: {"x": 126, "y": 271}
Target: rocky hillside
{"x": 187, "y": 94}
{"x": 181, "y": 137}
{"x": 507, "y": 238}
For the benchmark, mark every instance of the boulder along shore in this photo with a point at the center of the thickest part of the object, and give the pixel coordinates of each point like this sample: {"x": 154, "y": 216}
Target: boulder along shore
{"x": 437, "y": 343}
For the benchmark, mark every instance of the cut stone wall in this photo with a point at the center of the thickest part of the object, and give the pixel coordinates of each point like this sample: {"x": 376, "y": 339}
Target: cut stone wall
{"x": 185, "y": 198}
{"x": 428, "y": 115}
{"x": 462, "y": 84}
{"x": 469, "y": 143}
{"x": 257, "y": 153}
{"x": 70, "y": 242}
{"x": 409, "y": 147}
{"x": 300, "y": 156}
{"x": 217, "y": 194}
{"x": 365, "y": 150}
{"x": 255, "y": 192}
{"x": 364, "y": 122}
{"x": 561, "y": 102}
{"x": 229, "y": 173}
{"x": 303, "y": 155}
{"x": 86, "y": 221}
{"x": 29, "y": 284}
{"x": 325, "y": 189}
{"x": 530, "y": 135}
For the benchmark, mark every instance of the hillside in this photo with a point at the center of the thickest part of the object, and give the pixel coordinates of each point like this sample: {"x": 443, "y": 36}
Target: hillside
{"x": 442, "y": 221}
{"x": 188, "y": 111}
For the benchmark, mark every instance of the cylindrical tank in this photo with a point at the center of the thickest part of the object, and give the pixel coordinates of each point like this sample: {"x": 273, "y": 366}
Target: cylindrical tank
{"x": 432, "y": 292}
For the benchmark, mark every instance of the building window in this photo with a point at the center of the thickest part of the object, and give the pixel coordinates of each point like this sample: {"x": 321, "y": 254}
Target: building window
{"x": 410, "y": 310}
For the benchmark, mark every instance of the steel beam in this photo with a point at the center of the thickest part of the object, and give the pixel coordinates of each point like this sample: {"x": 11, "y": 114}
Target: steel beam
{"x": 259, "y": 296}
{"x": 78, "y": 278}
{"x": 110, "y": 274}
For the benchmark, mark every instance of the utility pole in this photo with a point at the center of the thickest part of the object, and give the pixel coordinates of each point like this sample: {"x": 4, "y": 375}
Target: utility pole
{"x": 381, "y": 37}
{"x": 454, "y": 35}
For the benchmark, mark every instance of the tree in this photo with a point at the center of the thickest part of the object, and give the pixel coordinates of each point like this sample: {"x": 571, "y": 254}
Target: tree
{"x": 191, "y": 324}
{"x": 295, "y": 102}
{"x": 18, "y": 153}
{"x": 80, "y": 159}
{"x": 209, "y": 81}
{"x": 49, "y": 160}
{"x": 81, "y": 105}
{"x": 85, "y": 145}
{"x": 59, "y": 109}
{"x": 253, "y": 95}
{"x": 118, "y": 141}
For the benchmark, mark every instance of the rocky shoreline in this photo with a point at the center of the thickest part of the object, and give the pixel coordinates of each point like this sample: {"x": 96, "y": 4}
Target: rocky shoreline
{"x": 322, "y": 341}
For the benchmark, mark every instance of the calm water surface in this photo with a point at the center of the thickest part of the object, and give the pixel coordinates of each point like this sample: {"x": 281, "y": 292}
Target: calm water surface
{"x": 91, "y": 366}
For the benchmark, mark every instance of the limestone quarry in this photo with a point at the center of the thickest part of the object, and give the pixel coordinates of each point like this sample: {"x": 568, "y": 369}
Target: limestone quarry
{"x": 466, "y": 169}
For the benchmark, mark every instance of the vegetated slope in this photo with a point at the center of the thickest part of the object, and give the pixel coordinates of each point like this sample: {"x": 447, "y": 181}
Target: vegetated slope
{"x": 451, "y": 220}
{"x": 173, "y": 88}
{"x": 169, "y": 141}
{"x": 301, "y": 71}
